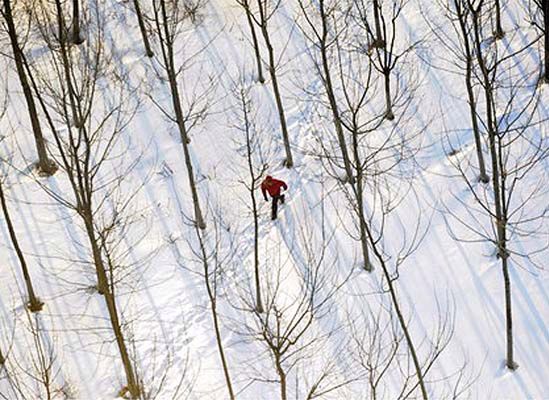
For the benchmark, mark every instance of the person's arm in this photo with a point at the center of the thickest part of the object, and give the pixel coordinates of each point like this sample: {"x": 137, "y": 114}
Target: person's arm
{"x": 284, "y": 185}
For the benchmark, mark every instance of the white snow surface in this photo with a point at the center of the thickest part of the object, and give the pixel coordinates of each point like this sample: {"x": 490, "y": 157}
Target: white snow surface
{"x": 163, "y": 298}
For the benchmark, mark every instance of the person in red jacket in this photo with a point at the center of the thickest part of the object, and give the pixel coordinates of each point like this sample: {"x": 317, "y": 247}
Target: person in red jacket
{"x": 273, "y": 187}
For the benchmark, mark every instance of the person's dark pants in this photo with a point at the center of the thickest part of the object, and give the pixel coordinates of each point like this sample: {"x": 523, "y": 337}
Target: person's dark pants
{"x": 274, "y": 210}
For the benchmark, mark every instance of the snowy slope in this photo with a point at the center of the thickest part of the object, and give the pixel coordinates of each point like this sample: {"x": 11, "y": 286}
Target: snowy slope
{"x": 163, "y": 297}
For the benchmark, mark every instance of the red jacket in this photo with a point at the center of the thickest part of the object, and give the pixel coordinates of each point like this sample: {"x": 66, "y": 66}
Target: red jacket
{"x": 272, "y": 186}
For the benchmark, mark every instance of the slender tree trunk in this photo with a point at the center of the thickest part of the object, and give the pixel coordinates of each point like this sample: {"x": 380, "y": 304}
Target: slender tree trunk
{"x": 102, "y": 281}
{"x": 483, "y": 176}
{"x": 402, "y": 322}
{"x": 378, "y": 41}
{"x": 132, "y": 385}
{"x": 108, "y": 294}
{"x": 503, "y": 254}
{"x": 388, "y": 101}
{"x": 501, "y": 223}
{"x": 213, "y": 307}
{"x": 34, "y": 303}
{"x": 199, "y": 219}
{"x": 498, "y": 34}
{"x": 168, "y": 56}
{"x": 76, "y": 37}
{"x": 510, "y": 361}
{"x": 289, "y": 162}
{"x": 249, "y": 156}
{"x": 148, "y": 51}
{"x": 255, "y": 42}
{"x": 545, "y": 5}
{"x": 45, "y": 165}
{"x": 359, "y": 195}
{"x": 498, "y": 183}
{"x": 282, "y": 376}
{"x": 259, "y": 303}
{"x": 81, "y": 192}
{"x": 327, "y": 79}
{"x": 221, "y": 350}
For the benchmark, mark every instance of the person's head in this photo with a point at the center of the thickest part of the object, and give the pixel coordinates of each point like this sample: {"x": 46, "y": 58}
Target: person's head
{"x": 268, "y": 178}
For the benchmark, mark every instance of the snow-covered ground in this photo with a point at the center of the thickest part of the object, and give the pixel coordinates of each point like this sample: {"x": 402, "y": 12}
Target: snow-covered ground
{"x": 163, "y": 297}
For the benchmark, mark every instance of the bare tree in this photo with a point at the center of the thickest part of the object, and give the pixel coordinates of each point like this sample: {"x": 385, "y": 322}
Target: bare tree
{"x": 390, "y": 271}
{"x": 45, "y": 165}
{"x": 517, "y": 149}
{"x": 143, "y": 29}
{"x": 384, "y": 58}
{"x": 460, "y": 47}
{"x": 252, "y": 149}
{"x": 262, "y": 16}
{"x": 538, "y": 11}
{"x": 246, "y": 6}
{"x": 34, "y": 303}
{"x": 76, "y": 37}
{"x": 498, "y": 32}
{"x": 371, "y": 153}
{"x": 92, "y": 105}
{"x": 169, "y": 17}
{"x": 209, "y": 252}
{"x": 321, "y": 19}
{"x": 384, "y": 163}
{"x": 293, "y": 329}
{"x": 544, "y": 5}
{"x": 31, "y": 368}
{"x": 380, "y": 357}
{"x": 378, "y": 41}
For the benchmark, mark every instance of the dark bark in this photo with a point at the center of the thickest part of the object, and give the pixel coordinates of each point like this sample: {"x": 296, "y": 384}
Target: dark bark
{"x": 81, "y": 180}
{"x": 462, "y": 19}
{"x": 379, "y": 41}
{"x": 282, "y": 377}
{"x": 400, "y": 316}
{"x": 498, "y": 182}
{"x": 162, "y": 24}
{"x": 212, "y": 295}
{"x": 289, "y": 162}
{"x": 255, "y": 42}
{"x": 498, "y": 33}
{"x": 199, "y": 219}
{"x": 545, "y": 10}
{"x": 45, "y": 165}
{"x": 327, "y": 80}
{"x": 143, "y": 29}
{"x": 34, "y": 303}
{"x": 388, "y": 100}
{"x": 359, "y": 195}
{"x": 254, "y": 180}
{"x": 76, "y": 37}
{"x": 108, "y": 294}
